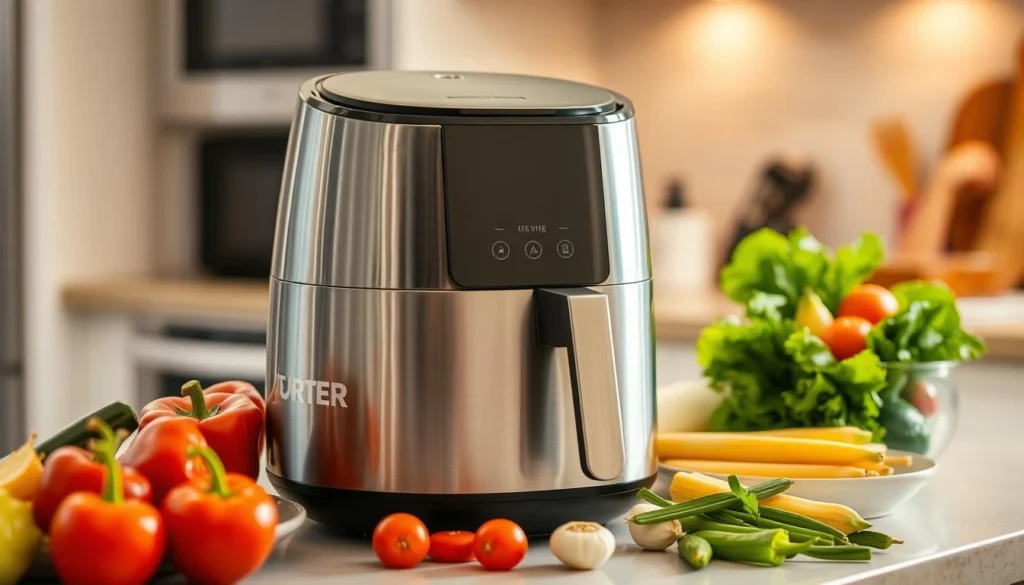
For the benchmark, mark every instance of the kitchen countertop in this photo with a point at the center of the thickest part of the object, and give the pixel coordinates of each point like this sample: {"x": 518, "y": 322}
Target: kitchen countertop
{"x": 966, "y": 526}
{"x": 679, "y": 315}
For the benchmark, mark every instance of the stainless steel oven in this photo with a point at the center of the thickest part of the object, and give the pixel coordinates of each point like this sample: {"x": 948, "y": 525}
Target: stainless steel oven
{"x": 241, "y": 61}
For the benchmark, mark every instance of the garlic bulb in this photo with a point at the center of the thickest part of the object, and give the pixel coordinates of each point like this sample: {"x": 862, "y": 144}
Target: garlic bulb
{"x": 652, "y": 536}
{"x": 582, "y": 545}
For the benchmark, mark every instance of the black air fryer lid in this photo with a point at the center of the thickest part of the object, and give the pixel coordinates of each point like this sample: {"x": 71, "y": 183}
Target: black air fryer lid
{"x": 464, "y": 94}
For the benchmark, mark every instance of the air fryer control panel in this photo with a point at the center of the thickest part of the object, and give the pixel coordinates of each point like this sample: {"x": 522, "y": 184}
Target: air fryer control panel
{"x": 525, "y": 206}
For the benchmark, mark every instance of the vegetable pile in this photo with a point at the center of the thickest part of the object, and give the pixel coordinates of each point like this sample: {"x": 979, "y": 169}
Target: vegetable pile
{"x": 758, "y": 526}
{"x": 816, "y": 344}
{"x": 170, "y": 495}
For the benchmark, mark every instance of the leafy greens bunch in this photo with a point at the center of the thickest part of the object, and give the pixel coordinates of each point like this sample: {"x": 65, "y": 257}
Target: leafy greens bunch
{"x": 775, "y": 374}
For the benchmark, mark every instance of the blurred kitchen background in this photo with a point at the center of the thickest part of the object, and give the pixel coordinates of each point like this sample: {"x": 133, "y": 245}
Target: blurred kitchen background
{"x": 142, "y": 143}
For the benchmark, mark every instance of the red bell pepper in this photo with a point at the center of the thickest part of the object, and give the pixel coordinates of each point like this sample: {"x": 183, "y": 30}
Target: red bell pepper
{"x": 73, "y": 469}
{"x": 106, "y": 539}
{"x": 159, "y": 453}
{"x": 219, "y": 528}
{"x": 230, "y": 416}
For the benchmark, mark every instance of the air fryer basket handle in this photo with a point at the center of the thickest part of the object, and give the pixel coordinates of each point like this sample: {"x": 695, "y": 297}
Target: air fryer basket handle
{"x": 579, "y": 320}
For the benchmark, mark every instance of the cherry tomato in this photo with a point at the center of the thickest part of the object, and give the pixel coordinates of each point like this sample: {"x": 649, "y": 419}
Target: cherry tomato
{"x": 923, "y": 396}
{"x": 499, "y": 544}
{"x": 870, "y": 302}
{"x": 454, "y": 546}
{"x": 401, "y": 541}
{"x": 846, "y": 336}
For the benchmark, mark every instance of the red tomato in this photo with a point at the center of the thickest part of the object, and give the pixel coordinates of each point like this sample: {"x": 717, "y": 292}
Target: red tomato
{"x": 846, "y": 336}
{"x": 870, "y": 302}
{"x": 499, "y": 544}
{"x": 401, "y": 541}
{"x": 454, "y": 546}
{"x": 924, "y": 397}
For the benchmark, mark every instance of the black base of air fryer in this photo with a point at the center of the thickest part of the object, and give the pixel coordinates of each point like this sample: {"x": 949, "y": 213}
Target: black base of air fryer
{"x": 355, "y": 513}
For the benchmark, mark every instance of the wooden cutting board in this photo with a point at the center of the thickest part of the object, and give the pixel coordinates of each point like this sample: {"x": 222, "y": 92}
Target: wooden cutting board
{"x": 1001, "y": 232}
{"x": 983, "y": 115}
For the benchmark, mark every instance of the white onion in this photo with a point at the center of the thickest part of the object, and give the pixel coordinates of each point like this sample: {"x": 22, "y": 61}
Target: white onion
{"x": 652, "y": 536}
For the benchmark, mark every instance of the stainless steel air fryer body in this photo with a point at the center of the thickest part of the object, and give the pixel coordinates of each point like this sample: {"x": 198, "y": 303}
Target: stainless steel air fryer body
{"x": 460, "y": 318}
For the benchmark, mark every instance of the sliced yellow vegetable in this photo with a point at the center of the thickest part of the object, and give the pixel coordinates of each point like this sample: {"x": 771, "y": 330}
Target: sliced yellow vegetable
{"x": 759, "y": 449}
{"x": 687, "y": 486}
{"x": 766, "y": 469}
{"x": 877, "y": 467}
{"x": 21, "y": 473}
{"x": 851, "y": 435}
{"x": 899, "y": 460}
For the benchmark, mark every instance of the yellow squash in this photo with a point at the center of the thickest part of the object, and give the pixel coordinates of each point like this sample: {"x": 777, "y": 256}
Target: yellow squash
{"x": 851, "y": 435}
{"x": 759, "y": 449}
{"x": 766, "y": 469}
{"x": 687, "y": 486}
{"x": 899, "y": 460}
{"x": 874, "y": 466}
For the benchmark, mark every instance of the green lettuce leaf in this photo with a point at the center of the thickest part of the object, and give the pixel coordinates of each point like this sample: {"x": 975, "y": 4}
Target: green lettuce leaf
{"x": 775, "y": 375}
{"x": 768, "y": 262}
{"x": 926, "y": 328}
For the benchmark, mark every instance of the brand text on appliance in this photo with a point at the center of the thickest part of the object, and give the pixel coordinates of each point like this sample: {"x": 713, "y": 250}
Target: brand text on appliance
{"x": 317, "y": 392}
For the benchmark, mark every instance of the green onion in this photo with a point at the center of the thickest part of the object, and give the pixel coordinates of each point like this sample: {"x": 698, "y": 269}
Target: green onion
{"x": 873, "y": 539}
{"x": 846, "y": 552}
{"x": 710, "y": 503}
{"x": 794, "y": 519}
{"x": 653, "y": 498}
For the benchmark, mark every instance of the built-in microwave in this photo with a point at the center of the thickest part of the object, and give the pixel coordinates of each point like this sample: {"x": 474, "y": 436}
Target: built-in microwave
{"x": 241, "y": 61}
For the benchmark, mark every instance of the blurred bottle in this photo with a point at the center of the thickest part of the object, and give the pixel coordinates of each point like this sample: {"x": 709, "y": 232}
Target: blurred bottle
{"x": 681, "y": 243}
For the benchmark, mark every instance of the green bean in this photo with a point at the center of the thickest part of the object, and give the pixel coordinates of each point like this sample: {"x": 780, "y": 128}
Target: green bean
{"x": 873, "y": 539}
{"x": 846, "y": 552}
{"x": 710, "y": 503}
{"x": 796, "y": 533}
{"x": 794, "y": 519}
{"x": 722, "y": 517}
{"x": 702, "y": 522}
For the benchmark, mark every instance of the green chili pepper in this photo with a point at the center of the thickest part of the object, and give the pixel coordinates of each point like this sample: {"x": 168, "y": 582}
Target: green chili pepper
{"x": 19, "y": 538}
{"x": 763, "y": 547}
{"x": 694, "y": 550}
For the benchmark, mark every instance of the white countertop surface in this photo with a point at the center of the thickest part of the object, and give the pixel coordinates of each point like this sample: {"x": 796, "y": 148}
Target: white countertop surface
{"x": 967, "y": 526}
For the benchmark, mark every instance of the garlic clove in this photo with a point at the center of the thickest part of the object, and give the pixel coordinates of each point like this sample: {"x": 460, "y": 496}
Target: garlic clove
{"x": 652, "y": 536}
{"x": 582, "y": 545}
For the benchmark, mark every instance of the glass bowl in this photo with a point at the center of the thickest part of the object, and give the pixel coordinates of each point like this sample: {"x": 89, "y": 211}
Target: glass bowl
{"x": 919, "y": 407}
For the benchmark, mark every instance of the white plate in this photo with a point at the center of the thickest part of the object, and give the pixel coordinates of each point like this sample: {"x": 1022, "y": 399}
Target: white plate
{"x": 871, "y": 497}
